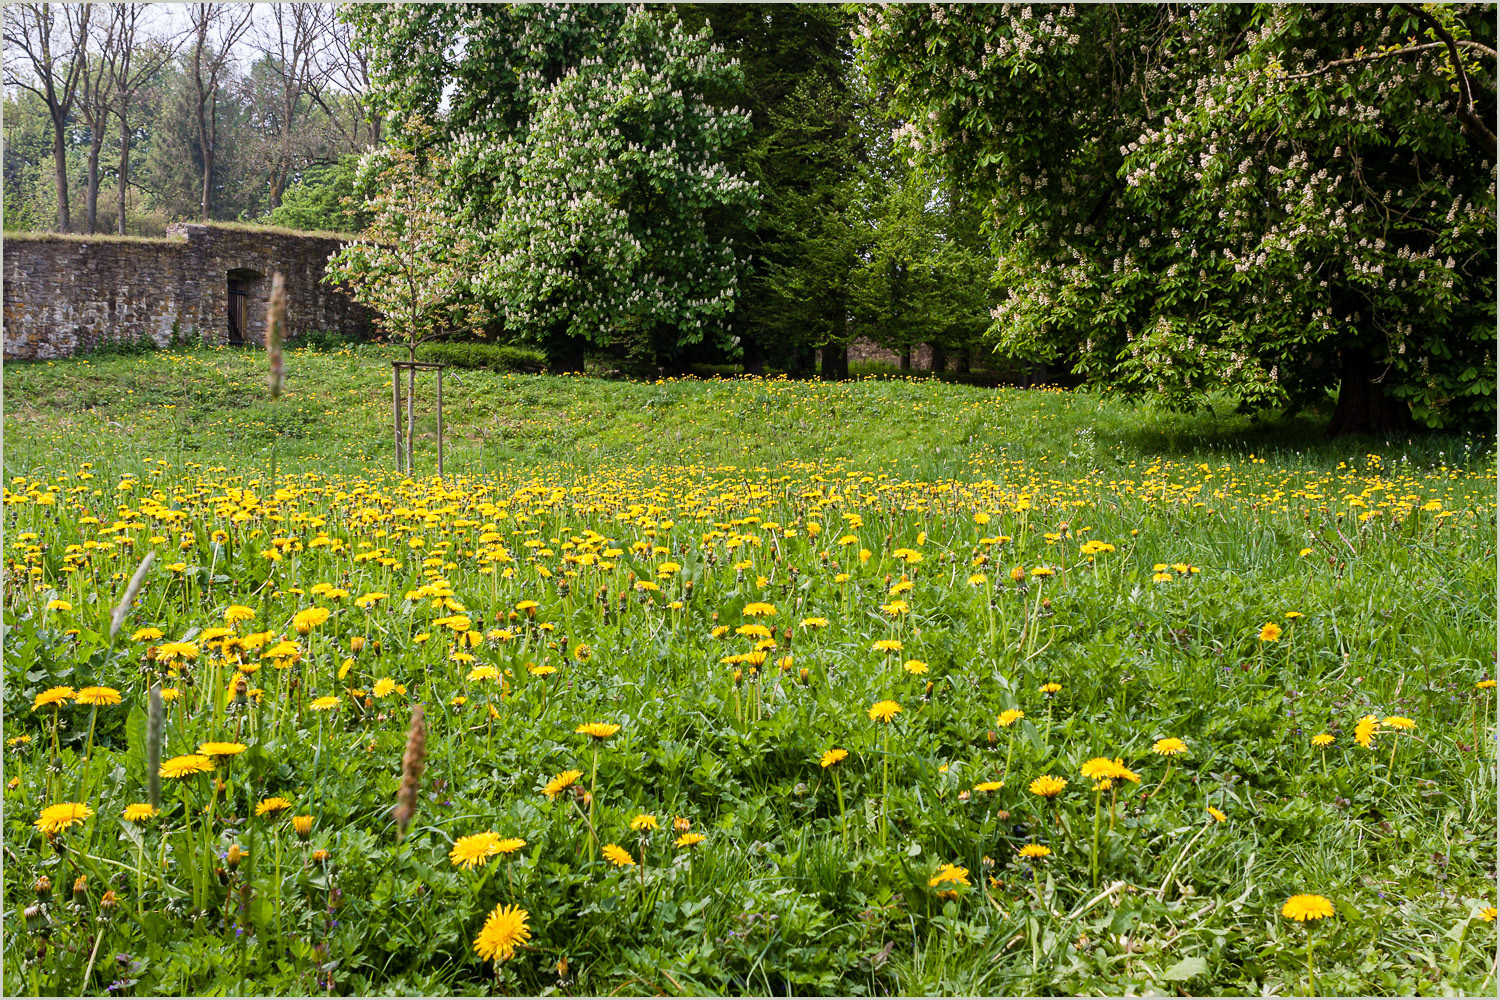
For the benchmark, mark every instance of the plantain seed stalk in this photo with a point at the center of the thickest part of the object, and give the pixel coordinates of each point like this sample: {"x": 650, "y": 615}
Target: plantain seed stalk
{"x": 413, "y": 763}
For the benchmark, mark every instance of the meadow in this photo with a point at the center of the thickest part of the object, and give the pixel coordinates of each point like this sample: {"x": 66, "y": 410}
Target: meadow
{"x": 734, "y": 686}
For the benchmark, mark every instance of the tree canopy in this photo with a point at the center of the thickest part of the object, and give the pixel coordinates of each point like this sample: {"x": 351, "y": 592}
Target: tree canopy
{"x": 1264, "y": 201}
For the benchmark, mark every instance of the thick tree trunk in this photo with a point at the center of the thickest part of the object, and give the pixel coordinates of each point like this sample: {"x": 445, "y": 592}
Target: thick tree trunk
{"x": 208, "y": 173}
{"x": 965, "y": 361}
{"x": 939, "y": 359}
{"x": 1363, "y": 406}
{"x": 835, "y": 362}
{"x": 753, "y": 360}
{"x": 564, "y": 353}
{"x": 906, "y": 359}
{"x": 92, "y": 196}
{"x": 124, "y": 171}
{"x": 60, "y": 168}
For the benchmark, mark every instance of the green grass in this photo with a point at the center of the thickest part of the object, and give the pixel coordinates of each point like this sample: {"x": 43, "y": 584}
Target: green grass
{"x": 803, "y": 884}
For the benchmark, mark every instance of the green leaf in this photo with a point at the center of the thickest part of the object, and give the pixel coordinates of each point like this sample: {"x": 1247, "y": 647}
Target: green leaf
{"x": 1186, "y": 969}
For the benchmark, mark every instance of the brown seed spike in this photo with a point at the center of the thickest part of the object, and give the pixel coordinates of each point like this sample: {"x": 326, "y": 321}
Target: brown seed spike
{"x": 413, "y": 763}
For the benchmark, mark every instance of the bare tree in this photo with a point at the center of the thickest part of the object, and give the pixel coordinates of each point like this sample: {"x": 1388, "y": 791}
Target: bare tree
{"x": 349, "y": 72}
{"x": 216, "y": 28}
{"x": 32, "y": 33}
{"x": 94, "y": 105}
{"x": 295, "y": 42}
{"x": 140, "y": 58}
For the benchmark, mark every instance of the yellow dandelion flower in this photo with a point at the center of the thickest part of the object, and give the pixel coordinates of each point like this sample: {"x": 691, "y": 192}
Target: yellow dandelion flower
{"x": 57, "y": 818}
{"x": 503, "y": 930}
{"x": 1169, "y": 747}
{"x": 759, "y": 609}
{"x": 598, "y": 730}
{"x": 1322, "y": 740}
{"x": 1365, "y": 731}
{"x": 52, "y": 696}
{"x": 271, "y": 806}
{"x": 690, "y": 840}
{"x": 1098, "y": 768}
{"x": 236, "y": 613}
{"x": 139, "y": 812}
{"x": 884, "y": 711}
{"x": 1390, "y": 721}
{"x": 475, "y": 849}
{"x": 643, "y": 822}
{"x": 221, "y": 749}
{"x": 1270, "y": 632}
{"x": 618, "y": 856}
{"x": 832, "y": 757}
{"x": 814, "y": 623}
{"x": 1035, "y": 851}
{"x": 1050, "y": 688}
{"x": 146, "y": 635}
{"x": 1218, "y": 816}
{"x": 1047, "y": 786}
{"x": 989, "y": 786}
{"x": 98, "y": 696}
{"x": 886, "y": 646}
{"x": 915, "y": 667}
{"x": 308, "y": 619}
{"x": 186, "y": 765}
{"x": 1010, "y": 716}
{"x": 327, "y": 703}
{"x": 561, "y": 783}
{"x": 1306, "y": 907}
{"x": 509, "y": 845}
{"x": 951, "y": 875}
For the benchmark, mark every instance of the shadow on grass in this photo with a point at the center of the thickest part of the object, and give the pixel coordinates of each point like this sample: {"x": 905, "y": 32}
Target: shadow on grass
{"x": 1150, "y": 431}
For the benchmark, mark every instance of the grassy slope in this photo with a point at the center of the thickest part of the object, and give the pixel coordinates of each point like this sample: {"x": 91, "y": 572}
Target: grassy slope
{"x": 336, "y": 414}
{"x": 1407, "y": 628}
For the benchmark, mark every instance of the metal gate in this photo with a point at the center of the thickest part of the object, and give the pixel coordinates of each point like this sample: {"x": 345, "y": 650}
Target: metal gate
{"x": 238, "y": 309}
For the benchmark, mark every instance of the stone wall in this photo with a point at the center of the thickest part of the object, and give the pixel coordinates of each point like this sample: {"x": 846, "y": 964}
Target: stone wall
{"x": 68, "y": 294}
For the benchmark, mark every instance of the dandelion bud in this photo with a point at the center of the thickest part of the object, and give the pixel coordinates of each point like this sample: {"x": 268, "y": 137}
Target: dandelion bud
{"x": 109, "y": 902}
{"x": 681, "y": 824}
{"x": 375, "y": 646}
{"x": 319, "y": 857}
{"x": 356, "y": 644}
{"x": 80, "y": 890}
{"x": 35, "y": 919}
{"x": 802, "y": 675}
{"x": 303, "y": 825}
{"x": 993, "y": 737}
{"x": 43, "y": 889}
{"x": 233, "y": 857}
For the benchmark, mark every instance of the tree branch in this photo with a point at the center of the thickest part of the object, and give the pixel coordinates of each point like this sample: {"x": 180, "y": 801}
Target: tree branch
{"x": 1468, "y": 117}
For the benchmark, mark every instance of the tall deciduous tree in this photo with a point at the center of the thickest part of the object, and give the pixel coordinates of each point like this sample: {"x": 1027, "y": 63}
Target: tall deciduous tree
{"x": 141, "y": 57}
{"x": 47, "y": 54}
{"x": 585, "y": 149}
{"x": 216, "y": 29}
{"x": 1260, "y": 200}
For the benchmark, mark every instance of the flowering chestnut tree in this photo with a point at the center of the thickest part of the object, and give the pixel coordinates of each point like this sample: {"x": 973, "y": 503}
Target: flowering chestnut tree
{"x": 585, "y": 157}
{"x": 1266, "y": 201}
{"x": 411, "y": 264}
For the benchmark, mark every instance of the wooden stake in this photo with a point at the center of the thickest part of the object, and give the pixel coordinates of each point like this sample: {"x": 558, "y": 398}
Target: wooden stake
{"x": 396, "y": 409}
